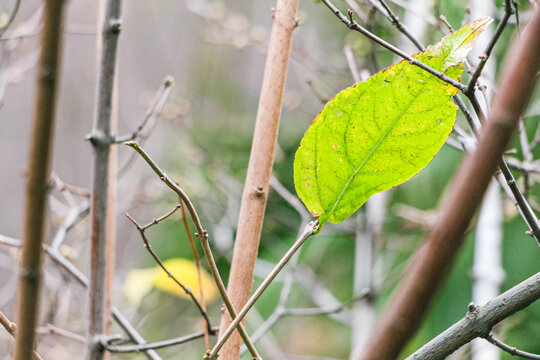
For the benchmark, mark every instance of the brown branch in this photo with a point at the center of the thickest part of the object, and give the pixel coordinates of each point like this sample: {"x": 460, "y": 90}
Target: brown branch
{"x": 11, "y": 328}
{"x": 36, "y": 187}
{"x": 260, "y": 167}
{"x": 198, "y": 266}
{"x": 432, "y": 261}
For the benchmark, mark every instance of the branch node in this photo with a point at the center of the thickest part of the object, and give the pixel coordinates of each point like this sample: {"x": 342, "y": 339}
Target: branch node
{"x": 472, "y": 310}
{"x": 115, "y": 27}
{"x": 259, "y": 192}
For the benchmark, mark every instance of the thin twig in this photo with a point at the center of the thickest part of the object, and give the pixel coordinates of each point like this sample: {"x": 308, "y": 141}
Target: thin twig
{"x": 402, "y": 29}
{"x": 11, "y": 17}
{"x": 442, "y": 18}
{"x": 527, "y": 154}
{"x": 51, "y": 329}
{"x": 326, "y": 311}
{"x": 198, "y": 266}
{"x": 11, "y": 328}
{"x": 154, "y": 345}
{"x": 508, "y": 11}
{"x": 353, "y": 25}
{"x": 73, "y": 271}
{"x": 148, "y": 247}
{"x": 510, "y": 349}
{"x": 202, "y": 235}
{"x": 351, "y": 63}
{"x": 309, "y": 230}
{"x": 73, "y": 218}
{"x": 155, "y": 106}
{"x": 524, "y": 207}
{"x": 433, "y": 260}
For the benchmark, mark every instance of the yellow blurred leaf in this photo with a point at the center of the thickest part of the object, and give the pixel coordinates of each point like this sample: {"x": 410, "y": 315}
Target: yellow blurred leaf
{"x": 186, "y": 272}
{"x": 139, "y": 282}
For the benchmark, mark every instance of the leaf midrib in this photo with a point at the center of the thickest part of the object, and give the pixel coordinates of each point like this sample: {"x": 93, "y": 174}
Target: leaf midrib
{"x": 345, "y": 187}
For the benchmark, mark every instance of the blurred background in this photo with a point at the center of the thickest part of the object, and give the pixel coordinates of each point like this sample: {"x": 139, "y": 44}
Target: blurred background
{"x": 201, "y": 135}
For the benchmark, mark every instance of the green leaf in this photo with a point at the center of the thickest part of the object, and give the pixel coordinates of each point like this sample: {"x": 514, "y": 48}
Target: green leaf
{"x": 380, "y": 133}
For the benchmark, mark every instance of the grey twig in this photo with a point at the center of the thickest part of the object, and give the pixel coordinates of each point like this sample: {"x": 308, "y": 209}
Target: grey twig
{"x": 72, "y": 270}
{"x": 510, "y": 349}
{"x": 508, "y": 11}
{"x": 353, "y": 25}
{"x": 402, "y": 29}
{"x": 326, "y": 311}
{"x": 11, "y": 17}
{"x": 308, "y": 231}
{"x": 351, "y": 63}
{"x": 480, "y": 320}
{"x": 74, "y": 216}
{"x": 140, "y": 134}
{"x": 51, "y": 329}
{"x": 202, "y": 235}
{"x": 154, "y": 345}
{"x": 155, "y": 106}
{"x": 148, "y": 247}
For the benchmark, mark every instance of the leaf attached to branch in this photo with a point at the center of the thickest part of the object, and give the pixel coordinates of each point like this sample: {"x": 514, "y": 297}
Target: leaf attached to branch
{"x": 381, "y": 132}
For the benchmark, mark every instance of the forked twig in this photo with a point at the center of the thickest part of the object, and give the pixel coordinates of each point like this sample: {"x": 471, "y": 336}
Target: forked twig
{"x": 202, "y": 235}
{"x": 510, "y": 349}
{"x": 148, "y": 247}
{"x": 309, "y": 230}
{"x": 198, "y": 266}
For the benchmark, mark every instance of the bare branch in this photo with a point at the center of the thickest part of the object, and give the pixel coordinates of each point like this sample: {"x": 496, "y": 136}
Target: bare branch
{"x": 508, "y": 11}
{"x": 162, "y": 266}
{"x": 202, "y": 235}
{"x": 11, "y": 328}
{"x": 155, "y": 106}
{"x": 259, "y": 171}
{"x": 51, "y": 329}
{"x": 155, "y": 345}
{"x": 480, "y": 320}
{"x": 28, "y": 291}
{"x": 433, "y": 259}
{"x": 72, "y": 219}
{"x": 309, "y": 230}
{"x": 510, "y": 349}
{"x": 353, "y": 25}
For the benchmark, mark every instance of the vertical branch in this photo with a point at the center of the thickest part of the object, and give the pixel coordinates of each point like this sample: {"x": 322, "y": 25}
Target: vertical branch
{"x": 101, "y": 139}
{"x": 198, "y": 266}
{"x": 432, "y": 261}
{"x": 487, "y": 268}
{"x": 260, "y": 166}
{"x": 38, "y": 172}
{"x": 364, "y": 312}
